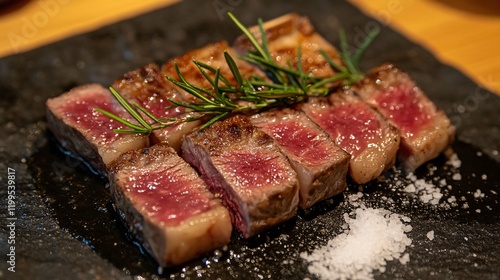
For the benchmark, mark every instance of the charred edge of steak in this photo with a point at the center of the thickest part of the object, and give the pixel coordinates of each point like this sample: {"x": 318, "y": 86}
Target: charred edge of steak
{"x": 224, "y": 134}
{"x": 143, "y": 81}
{"x": 148, "y": 87}
{"x": 284, "y": 34}
{"x": 277, "y": 28}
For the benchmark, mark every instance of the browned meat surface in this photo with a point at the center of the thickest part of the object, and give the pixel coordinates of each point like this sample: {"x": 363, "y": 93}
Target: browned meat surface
{"x": 167, "y": 206}
{"x": 212, "y": 55}
{"x": 357, "y": 129}
{"x": 285, "y": 34}
{"x": 320, "y": 164}
{"x": 245, "y": 168}
{"x": 425, "y": 130}
{"x": 149, "y": 88}
{"x": 82, "y": 130}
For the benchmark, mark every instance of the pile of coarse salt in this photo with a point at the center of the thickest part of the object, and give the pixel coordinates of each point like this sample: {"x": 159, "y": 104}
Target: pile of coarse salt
{"x": 370, "y": 238}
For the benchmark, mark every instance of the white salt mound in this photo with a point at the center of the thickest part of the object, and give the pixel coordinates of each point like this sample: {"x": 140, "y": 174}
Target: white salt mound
{"x": 371, "y": 238}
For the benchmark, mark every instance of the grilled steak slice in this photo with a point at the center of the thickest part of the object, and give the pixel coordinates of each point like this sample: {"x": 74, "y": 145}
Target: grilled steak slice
{"x": 149, "y": 88}
{"x": 284, "y": 34}
{"x": 245, "y": 167}
{"x": 359, "y": 130}
{"x": 82, "y": 130}
{"x": 167, "y": 206}
{"x": 212, "y": 55}
{"x": 425, "y": 130}
{"x": 320, "y": 164}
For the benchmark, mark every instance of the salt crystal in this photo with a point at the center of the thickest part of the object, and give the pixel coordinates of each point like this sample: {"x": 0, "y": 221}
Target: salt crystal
{"x": 437, "y": 195}
{"x": 484, "y": 177}
{"x": 454, "y": 161}
{"x": 405, "y": 259}
{"x": 478, "y": 194}
{"x": 426, "y": 198}
{"x": 430, "y": 235}
{"x": 457, "y": 177}
{"x": 410, "y": 188}
{"x": 479, "y": 154}
{"x": 442, "y": 182}
{"x": 478, "y": 210}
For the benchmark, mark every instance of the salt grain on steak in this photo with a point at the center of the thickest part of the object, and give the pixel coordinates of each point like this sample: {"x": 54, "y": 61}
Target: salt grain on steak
{"x": 357, "y": 129}
{"x": 167, "y": 206}
{"x": 245, "y": 167}
{"x": 320, "y": 164}
{"x": 82, "y": 130}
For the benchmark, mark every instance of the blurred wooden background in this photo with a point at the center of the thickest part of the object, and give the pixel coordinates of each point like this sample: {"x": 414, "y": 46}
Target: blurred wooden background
{"x": 463, "y": 33}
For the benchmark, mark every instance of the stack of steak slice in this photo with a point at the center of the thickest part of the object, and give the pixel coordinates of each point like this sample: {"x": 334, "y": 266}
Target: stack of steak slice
{"x": 149, "y": 88}
{"x": 425, "y": 130}
{"x": 167, "y": 206}
{"x": 320, "y": 164}
{"x": 261, "y": 167}
{"x": 245, "y": 168}
{"x": 87, "y": 133}
{"x": 359, "y": 130}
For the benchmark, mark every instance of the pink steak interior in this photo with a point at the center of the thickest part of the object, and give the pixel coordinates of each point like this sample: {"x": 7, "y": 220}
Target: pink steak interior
{"x": 167, "y": 196}
{"x": 404, "y": 110}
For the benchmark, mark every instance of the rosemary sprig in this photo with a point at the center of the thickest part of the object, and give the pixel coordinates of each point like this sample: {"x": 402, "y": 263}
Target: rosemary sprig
{"x": 288, "y": 85}
{"x": 142, "y": 126}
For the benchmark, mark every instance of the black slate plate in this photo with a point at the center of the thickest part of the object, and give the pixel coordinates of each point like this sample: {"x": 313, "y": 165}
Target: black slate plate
{"x": 66, "y": 227}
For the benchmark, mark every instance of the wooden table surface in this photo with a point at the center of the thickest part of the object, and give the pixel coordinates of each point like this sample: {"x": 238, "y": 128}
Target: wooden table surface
{"x": 463, "y": 33}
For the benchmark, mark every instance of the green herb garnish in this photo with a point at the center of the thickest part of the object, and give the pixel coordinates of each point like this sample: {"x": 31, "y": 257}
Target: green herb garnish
{"x": 286, "y": 85}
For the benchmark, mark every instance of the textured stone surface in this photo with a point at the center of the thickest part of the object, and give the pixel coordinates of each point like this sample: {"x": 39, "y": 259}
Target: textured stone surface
{"x": 66, "y": 225}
